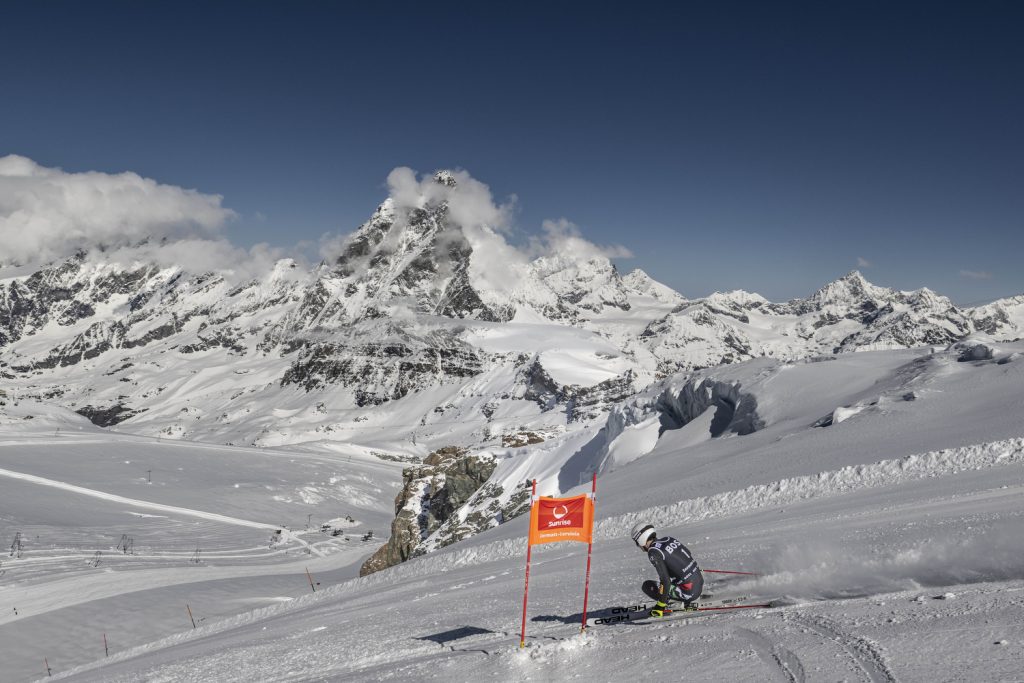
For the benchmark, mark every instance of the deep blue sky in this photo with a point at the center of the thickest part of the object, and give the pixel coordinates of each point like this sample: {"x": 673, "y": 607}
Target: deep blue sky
{"x": 763, "y": 145}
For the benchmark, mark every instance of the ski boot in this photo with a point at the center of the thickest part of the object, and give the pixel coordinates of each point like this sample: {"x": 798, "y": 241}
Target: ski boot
{"x": 676, "y": 596}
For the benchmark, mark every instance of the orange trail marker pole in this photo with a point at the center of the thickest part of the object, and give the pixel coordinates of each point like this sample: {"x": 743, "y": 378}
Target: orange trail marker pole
{"x": 190, "y": 616}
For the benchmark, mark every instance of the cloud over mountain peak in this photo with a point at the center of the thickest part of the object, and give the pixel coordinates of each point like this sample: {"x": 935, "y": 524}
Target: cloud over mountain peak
{"x": 48, "y": 213}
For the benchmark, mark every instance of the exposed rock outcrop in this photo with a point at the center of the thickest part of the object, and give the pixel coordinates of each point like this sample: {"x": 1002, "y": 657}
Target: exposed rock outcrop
{"x": 431, "y": 494}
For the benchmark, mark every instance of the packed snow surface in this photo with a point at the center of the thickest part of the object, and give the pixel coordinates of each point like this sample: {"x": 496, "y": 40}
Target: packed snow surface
{"x": 877, "y": 496}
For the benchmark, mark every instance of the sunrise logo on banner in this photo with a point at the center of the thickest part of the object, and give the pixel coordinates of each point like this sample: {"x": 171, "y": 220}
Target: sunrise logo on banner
{"x": 560, "y": 519}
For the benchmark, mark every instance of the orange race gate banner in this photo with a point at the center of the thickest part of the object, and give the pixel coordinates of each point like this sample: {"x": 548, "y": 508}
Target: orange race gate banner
{"x": 560, "y": 519}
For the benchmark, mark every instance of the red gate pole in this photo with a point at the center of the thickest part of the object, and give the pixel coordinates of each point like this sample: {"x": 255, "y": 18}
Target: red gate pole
{"x": 590, "y": 547}
{"x": 310, "y": 580}
{"x": 526, "y": 588}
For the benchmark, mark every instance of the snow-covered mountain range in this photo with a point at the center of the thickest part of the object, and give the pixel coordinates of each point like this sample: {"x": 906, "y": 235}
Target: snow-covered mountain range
{"x": 426, "y": 331}
{"x": 415, "y": 302}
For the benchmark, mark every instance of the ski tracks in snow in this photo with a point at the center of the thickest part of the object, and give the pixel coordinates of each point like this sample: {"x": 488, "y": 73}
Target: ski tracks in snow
{"x": 865, "y": 654}
{"x": 788, "y": 665}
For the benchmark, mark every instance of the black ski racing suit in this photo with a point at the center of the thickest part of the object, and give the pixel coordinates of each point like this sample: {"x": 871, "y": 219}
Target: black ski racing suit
{"x": 677, "y": 567}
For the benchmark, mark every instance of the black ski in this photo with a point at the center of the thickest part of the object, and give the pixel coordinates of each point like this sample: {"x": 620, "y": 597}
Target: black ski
{"x": 699, "y": 612}
{"x": 642, "y": 613}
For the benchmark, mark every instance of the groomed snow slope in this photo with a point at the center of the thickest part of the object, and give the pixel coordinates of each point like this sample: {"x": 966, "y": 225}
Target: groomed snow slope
{"x": 220, "y": 528}
{"x": 890, "y": 539}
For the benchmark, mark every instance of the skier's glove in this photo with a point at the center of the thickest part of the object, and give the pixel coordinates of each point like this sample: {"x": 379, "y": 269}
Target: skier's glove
{"x": 660, "y": 610}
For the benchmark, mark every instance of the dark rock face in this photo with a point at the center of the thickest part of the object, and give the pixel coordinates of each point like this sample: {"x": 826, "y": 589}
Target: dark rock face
{"x": 586, "y": 403}
{"x": 219, "y": 338}
{"x": 364, "y": 243}
{"x": 520, "y": 439}
{"x": 107, "y": 417}
{"x": 461, "y": 300}
{"x": 386, "y": 369}
{"x": 581, "y": 403}
{"x": 540, "y": 387}
{"x": 431, "y": 494}
{"x": 974, "y": 352}
{"x": 485, "y": 511}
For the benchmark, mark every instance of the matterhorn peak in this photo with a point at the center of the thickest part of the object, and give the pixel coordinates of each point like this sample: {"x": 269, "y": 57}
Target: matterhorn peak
{"x": 445, "y": 177}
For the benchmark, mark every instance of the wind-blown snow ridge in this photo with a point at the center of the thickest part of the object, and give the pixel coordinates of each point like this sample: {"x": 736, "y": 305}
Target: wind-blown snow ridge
{"x": 786, "y": 491}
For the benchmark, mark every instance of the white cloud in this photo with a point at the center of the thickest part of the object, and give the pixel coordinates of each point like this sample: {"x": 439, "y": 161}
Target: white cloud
{"x": 863, "y": 262}
{"x": 404, "y": 189}
{"x": 199, "y": 255}
{"x": 331, "y": 245}
{"x": 496, "y": 265}
{"x": 47, "y": 213}
{"x": 563, "y": 238}
{"x": 976, "y": 274}
{"x": 470, "y": 203}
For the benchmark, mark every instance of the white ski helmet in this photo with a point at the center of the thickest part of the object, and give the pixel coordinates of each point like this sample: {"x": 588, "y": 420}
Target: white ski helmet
{"x": 642, "y": 533}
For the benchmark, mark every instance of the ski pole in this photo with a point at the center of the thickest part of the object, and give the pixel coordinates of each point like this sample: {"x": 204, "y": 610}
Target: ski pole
{"x": 726, "y": 571}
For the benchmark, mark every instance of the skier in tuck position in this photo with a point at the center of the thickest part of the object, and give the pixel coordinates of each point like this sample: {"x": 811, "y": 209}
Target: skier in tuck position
{"x": 680, "y": 579}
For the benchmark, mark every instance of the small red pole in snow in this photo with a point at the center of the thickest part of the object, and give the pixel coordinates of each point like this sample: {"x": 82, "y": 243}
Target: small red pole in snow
{"x": 106, "y": 650}
{"x": 590, "y": 547}
{"x": 526, "y": 588}
{"x": 190, "y": 615}
{"x": 47, "y": 663}
{"x": 310, "y": 580}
